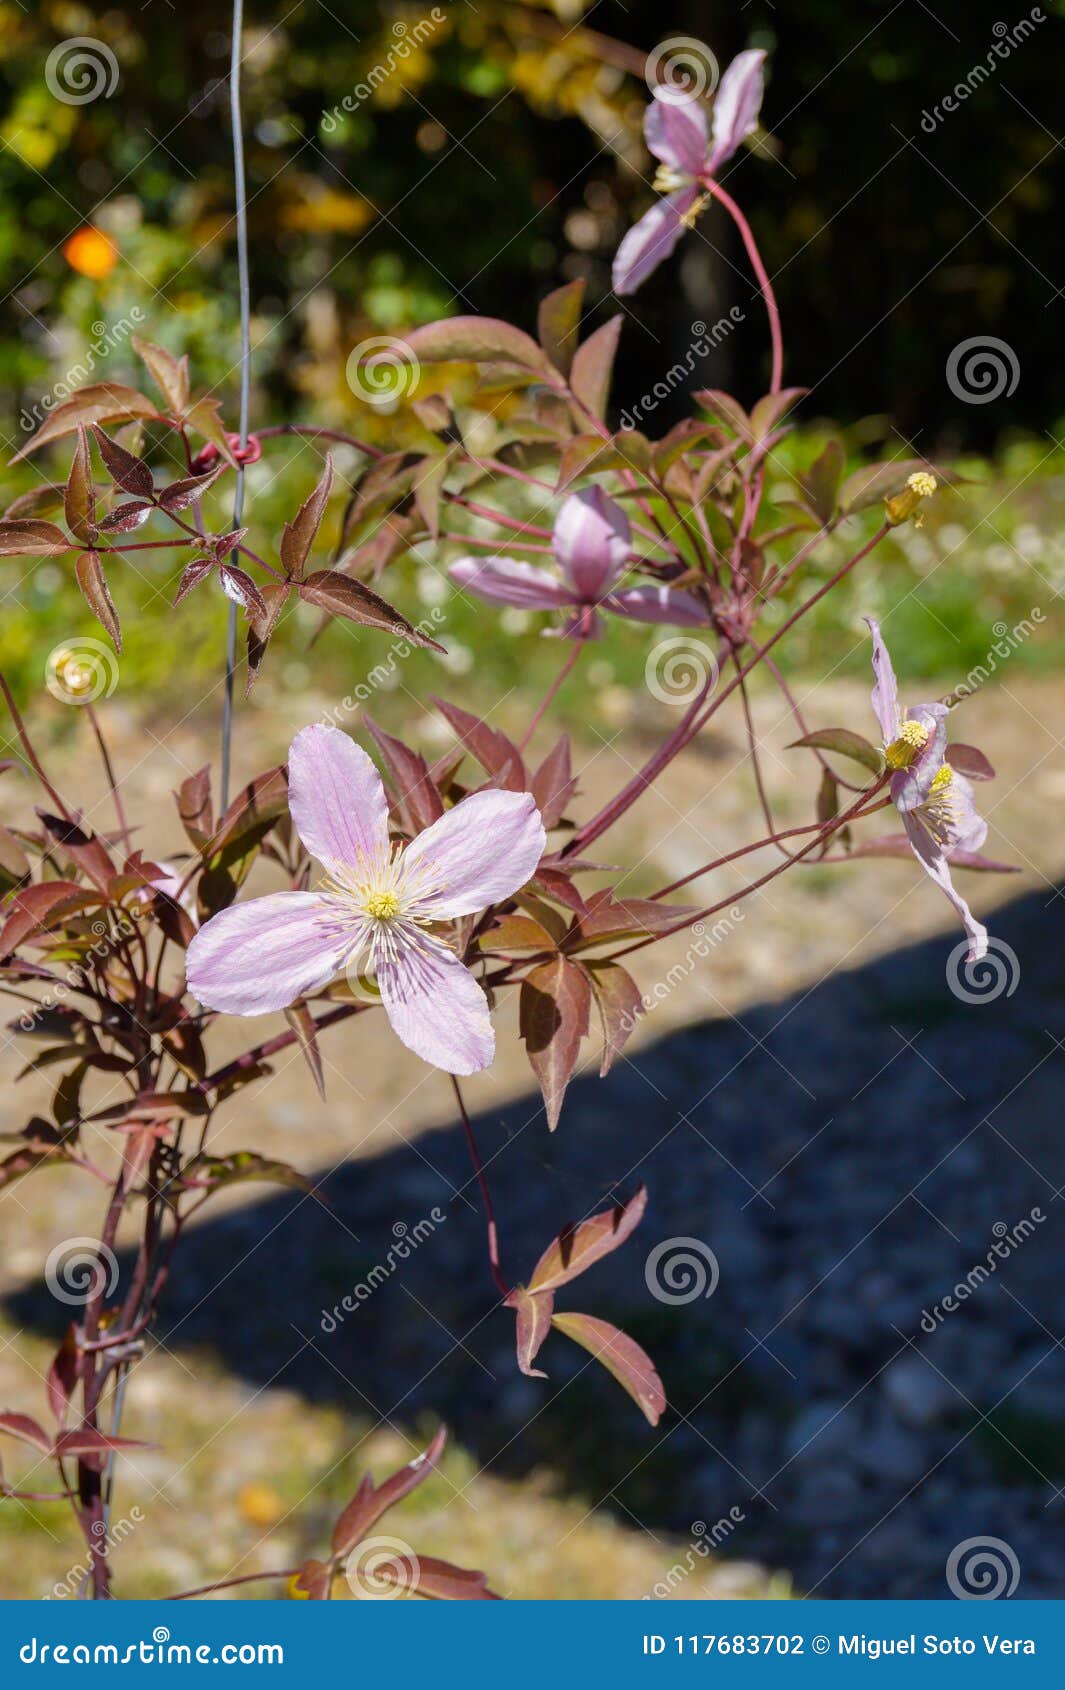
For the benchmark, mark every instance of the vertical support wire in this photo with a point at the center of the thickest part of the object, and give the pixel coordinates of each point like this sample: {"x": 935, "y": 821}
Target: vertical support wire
{"x": 240, "y": 193}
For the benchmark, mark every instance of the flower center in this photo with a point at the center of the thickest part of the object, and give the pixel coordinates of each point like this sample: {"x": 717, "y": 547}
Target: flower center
{"x": 668, "y": 179}
{"x": 382, "y": 906}
{"x": 939, "y": 809}
{"x": 912, "y": 738}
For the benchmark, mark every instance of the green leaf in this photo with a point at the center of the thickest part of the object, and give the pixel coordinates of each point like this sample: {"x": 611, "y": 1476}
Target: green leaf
{"x": 558, "y": 321}
{"x": 593, "y": 366}
{"x": 846, "y": 744}
{"x": 473, "y": 340}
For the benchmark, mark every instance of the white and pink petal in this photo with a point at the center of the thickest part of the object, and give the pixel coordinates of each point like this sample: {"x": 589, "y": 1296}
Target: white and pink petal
{"x": 479, "y": 853}
{"x": 336, "y": 799}
{"x": 433, "y": 1003}
{"x": 504, "y": 580}
{"x": 264, "y": 954}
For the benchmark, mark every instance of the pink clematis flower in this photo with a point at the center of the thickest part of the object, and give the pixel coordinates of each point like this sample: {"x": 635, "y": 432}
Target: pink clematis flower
{"x": 677, "y": 134}
{"x": 934, "y": 800}
{"x": 592, "y": 544}
{"x": 264, "y": 954}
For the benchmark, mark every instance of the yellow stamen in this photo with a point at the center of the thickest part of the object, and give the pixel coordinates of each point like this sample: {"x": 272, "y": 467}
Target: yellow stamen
{"x": 920, "y": 485}
{"x": 942, "y": 780}
{"x": 668, "y": 180}
{"x": 382, "y": 905}
{"x": 913, "y": 737}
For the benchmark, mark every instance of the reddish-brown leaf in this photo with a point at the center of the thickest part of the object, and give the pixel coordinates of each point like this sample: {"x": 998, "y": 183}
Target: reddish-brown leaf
{"x": 193, "y": 799}
{"x": 593, "y": 366}
{"x": 79, "y": 497}
{"x": 496, "y": 754}
{"x": 417, "y": 793}
{"x": 442, "y": 1581}
{"x": 553, "y": 1013}
{"x": 301, "y": 1021}
{"x": 63, "y": 1375}
{"x": 577, "y": 1248}
{"x": 181, "y": 494}
{"x": 238, "y": 585}
{"x": 299, "y": 534}
{"x": 40, "y": 907}
{"x": 533, "y": 1312}
{"x": 341, "y": 596}
{"x": 93, "y": 583}
{"x": 313, "y": 1580}
{"x": 27, "y": 1430}
{"x": 30, "y": 537}
{"x": 616, "y": 918}
{"x": 553, "y": 785}
{"x": 969, "y": 761}
{"x": 474, "y": 340}
{"x": 125, "y": 469}
{"x": 130, "y": 515}
{"x": 101, "y": 401}
{"x": 197, "y": 570}
{"x": 631, "y": 1366}
{"x": 620, "y": 1003}
{"x": 170, "y": 374}
{"x": 371, "y": 1501}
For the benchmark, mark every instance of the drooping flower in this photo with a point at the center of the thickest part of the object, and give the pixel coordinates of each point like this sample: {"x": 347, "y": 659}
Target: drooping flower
{"x": 688, "y": 151}
{"x": 934, "y": 800}
{"x": 592, "y": 545}
{"x": 374, "y": 903}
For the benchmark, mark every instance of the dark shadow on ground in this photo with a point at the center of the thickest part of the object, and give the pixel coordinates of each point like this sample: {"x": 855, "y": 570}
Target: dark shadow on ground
{"x": 850, "y": 1155}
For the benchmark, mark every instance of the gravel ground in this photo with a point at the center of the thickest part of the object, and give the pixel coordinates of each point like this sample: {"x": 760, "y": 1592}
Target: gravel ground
{"x": 809, "y": 1103}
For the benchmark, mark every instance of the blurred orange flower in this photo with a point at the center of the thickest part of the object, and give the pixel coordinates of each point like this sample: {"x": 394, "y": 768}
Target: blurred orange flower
{"x": 91, "y": 253}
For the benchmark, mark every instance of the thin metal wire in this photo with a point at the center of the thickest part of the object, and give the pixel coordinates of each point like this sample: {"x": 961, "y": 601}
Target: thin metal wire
{"x": 240, "y": 194}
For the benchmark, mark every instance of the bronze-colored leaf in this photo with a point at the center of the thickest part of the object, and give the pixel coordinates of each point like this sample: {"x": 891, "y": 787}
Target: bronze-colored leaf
{"x": 593, "y": 366}
{"x": 533, "y": 1311}
{"x": 620, "y": 1004}
{"x": 29, "y": 537}
{"x": 100, "y": 402}
{"x": 341, "y": 596}
{"x": 577, "y": 1248}
{"x": 299, "y": 535}
{"x": 553, "y": 1013}
{"x": 631, "y": 1366}
{"x": 79, "y": 497}
{"x": 93, "y": 584}
{"x": 170, "y": 374}
{"x": 558, "y": 322}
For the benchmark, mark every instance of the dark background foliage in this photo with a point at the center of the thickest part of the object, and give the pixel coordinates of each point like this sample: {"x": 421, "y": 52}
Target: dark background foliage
{"x": 496, "y": 156}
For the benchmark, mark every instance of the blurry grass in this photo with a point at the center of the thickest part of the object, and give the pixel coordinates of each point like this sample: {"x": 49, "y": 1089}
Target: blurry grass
{"x": 988, "y": 553}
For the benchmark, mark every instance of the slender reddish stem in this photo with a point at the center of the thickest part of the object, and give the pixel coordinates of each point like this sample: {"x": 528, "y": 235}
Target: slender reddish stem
{"x": 486, "y": 1197}
{"x": 551, "y": 694}
{"x": 762, "y": 275}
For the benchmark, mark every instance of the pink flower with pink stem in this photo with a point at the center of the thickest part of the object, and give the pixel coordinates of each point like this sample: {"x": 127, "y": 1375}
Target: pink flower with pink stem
{"x": 934, "y": 800}
{"x": 593, "y": 548}
{"x": 690, "y": 152}
{"x": 375, "y": 903}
